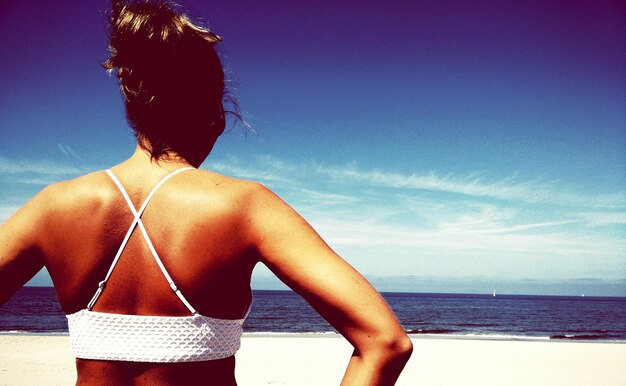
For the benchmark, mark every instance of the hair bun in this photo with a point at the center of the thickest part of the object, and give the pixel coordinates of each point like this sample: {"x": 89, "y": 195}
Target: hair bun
{"x": 142, "y": 32}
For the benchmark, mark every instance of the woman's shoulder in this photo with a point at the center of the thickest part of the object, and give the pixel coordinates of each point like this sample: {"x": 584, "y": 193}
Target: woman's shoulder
{"x": 55, "y": 201}
{"x": 74, "y": 188}
{"x": 72, "y": 193}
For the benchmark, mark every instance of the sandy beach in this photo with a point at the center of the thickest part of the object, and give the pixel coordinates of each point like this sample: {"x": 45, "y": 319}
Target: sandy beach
{"x": 300, "y": 359}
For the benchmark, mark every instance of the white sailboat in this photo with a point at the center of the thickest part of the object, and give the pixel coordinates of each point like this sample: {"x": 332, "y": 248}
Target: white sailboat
{"x": 493, "y": 293}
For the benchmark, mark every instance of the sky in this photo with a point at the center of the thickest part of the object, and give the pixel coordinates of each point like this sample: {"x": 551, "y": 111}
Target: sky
{"x": 437, "y": 146}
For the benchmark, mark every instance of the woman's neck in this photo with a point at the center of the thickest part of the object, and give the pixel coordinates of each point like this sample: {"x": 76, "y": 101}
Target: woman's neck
{"x": 141, "y": 157}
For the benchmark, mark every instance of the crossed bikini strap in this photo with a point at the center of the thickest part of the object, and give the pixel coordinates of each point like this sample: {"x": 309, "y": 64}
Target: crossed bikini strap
{"x": 137, "y": 222}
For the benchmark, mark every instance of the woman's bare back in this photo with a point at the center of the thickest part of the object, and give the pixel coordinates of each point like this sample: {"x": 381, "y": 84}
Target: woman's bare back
{"x": 196, "y": 222}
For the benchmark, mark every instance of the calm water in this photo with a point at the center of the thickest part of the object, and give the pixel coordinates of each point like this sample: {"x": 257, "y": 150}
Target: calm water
{"x": 35, "y": 309}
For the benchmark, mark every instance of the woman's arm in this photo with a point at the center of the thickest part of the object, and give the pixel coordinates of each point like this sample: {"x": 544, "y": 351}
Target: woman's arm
{"x": 301, "y": 259}
{"x": 20, "y": 256}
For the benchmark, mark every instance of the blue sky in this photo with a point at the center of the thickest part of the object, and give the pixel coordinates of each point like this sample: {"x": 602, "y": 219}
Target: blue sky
{"x": 438, "y": 146}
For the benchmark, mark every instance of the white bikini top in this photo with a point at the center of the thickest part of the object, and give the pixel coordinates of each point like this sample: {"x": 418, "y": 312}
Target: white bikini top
{"x": 143, "y": 338}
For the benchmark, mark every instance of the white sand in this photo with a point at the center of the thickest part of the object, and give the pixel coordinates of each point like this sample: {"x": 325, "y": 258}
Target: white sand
{"x": 320, "y": 360}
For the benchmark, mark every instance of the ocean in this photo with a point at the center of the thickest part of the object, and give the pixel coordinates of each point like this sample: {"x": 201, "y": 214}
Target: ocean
{"x": 36, "y": 310}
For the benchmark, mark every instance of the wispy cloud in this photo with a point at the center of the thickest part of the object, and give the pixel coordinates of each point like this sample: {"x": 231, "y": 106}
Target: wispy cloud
{"x": 534, "y": 191}
{"x": 462, "y": 233}
{"x": 324, "y": 198}
{"x": 603, "y": 218}
{"x": 451, "y": 217}
{"x": 69, "y": 153}
{"x": 35, "y": 170}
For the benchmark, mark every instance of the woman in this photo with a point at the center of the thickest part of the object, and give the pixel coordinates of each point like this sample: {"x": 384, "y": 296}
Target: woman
{"x": 151, "y": 260}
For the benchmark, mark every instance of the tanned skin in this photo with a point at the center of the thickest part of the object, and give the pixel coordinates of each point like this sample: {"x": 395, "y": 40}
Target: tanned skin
{"x": 210, "y": 231}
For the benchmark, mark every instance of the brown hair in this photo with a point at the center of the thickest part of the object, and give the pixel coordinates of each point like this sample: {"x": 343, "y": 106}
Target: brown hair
{"x": 170, "y": 76}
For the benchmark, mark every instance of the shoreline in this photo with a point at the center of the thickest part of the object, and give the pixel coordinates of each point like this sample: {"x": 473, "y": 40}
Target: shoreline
{"x": 320, "y": 359}
{"x": 332, "y": 334}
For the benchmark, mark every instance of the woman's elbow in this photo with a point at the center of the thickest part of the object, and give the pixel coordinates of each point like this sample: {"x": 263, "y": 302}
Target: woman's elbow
{"x": 402, "y": 348}
{"x": 395, "y": 347}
